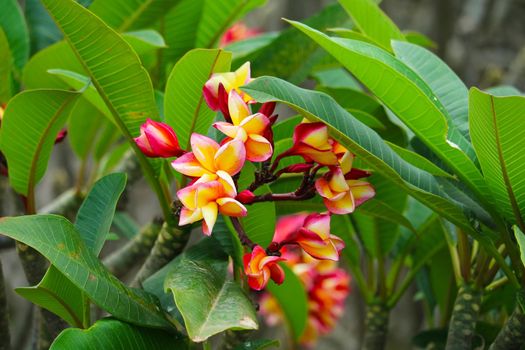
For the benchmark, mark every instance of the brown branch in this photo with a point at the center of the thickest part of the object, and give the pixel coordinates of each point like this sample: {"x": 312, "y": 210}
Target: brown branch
{"x": 243, "y": 237}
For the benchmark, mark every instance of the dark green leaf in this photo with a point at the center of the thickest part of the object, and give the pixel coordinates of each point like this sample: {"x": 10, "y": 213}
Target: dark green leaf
{"x": 15, "y": 29}
{"x": 259, "y": 344}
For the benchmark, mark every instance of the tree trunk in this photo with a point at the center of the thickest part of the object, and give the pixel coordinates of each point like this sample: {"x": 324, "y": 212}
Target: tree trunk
{"x": 376, "y": 327}
{"x": 512, "y": 335}
{"x": 464, "y": 316}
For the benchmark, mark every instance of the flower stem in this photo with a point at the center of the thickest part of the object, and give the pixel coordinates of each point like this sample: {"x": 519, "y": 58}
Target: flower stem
{"x": 243, "y": 237}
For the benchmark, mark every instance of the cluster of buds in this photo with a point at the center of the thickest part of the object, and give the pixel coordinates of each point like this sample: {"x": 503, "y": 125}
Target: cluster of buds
{"x": 213, "y": 167}
{"x": 326, "y": 285}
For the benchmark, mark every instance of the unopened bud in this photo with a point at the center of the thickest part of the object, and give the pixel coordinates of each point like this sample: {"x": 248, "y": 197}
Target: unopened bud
{"x": 245, "y": 197}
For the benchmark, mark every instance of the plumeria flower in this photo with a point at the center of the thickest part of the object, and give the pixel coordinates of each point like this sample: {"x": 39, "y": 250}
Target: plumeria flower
{"x": 238, "y": 31}
{"x": 208, "y": 158}
{"x": 204, "y": 199}
{"x": 259, "y": 268}
{"x": 158, "y": 140}
{"x": 342, "y": 196}
{"x": 345, "y": 158}
{"x": 311, "y": 233}
{"x": 248, "y": 128}
{"x": 311, "y": 141}
{"x": 230, "y": 81}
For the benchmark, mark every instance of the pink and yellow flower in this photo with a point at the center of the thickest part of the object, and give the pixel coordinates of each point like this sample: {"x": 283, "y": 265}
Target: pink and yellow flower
{"x": 158, "y": 140}
{"x": 248, "y": 128}
{"x": 208, "y": 158}
{"x": 259, "y": 268}
{"x": 327, "y": 288}
{"x": 238, "y": 31}
{"x": 204, "y": 199}
{"x": 230, "y": 81}
{"x": 311, "y": 233}
{"x": 342, "y": 196}
{"x": 311, "y": 141}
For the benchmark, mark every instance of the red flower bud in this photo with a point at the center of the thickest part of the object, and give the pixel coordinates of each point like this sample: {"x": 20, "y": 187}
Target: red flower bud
{"x": 245, "y": 197}
{"x": 298, "y": 168}
{"x": 158, "y": 140}
{"x": 61, "y": 136}
{"x": 355, "y": 174}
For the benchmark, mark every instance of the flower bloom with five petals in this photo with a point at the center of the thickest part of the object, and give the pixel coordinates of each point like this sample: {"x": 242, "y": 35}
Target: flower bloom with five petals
{"x": 204, "y": 199}
{"x": 259, "y": 268}
{"x": 158, "y": 140}
{"x": 230, "y": 81}
{"x": 248, "y": 128}
{"x": 208, "y": 158}
{"x": 342, "y": 196}
{"x": 311, "y": 141}
{"x": 311, "y": 233}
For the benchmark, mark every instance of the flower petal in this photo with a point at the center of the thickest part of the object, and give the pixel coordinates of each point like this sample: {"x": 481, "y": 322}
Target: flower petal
{"x": 319, "y": 224}
{"x": 255, "y": 124}
{"x": 276, "y": 273}
{"x": 209, "y": 213}
{"x": 204, "y": 150}
{"x": 187, "y": 196}
{"x": 287, "y": 227}
{"x": 361, "y": 191}
{"x": 188, "y": 165}
{"x": 258, "y": 149}
{"x": 188, "y": 216}
{"x": 227, "y": 129}
{"x": 237, "y": 108}
{"x": 337, "y": 181}
{"x": 230, "y": 157}
{"x": 231, "y": 207}
{"x": 344, "y": 205}
{"x": 312, "y": 134}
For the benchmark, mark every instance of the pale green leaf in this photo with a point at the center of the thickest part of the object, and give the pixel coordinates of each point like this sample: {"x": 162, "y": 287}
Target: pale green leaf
{"x": 29, "y": 127}
{"x": 372, "y": 21}
{"x": 259, "y": 344}
{"x": 418, "y": 160}
{"x": 497, "y": 128}
{"x": 5, "y": 68}
{"x": 520, "y": 238}
{"x": 83, "y": 126}
{"x": 419, "y": 39}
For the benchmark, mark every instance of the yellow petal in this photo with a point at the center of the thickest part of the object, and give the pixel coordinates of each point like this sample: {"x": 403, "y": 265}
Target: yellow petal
{"x": 237, "y": 107}
{"x": 231, "y": 207}
{"x": 204, "y": 150}
{"x": 230, "y": 157}
{"x": 344, "y": 205}
{"x": 255, "y": 124}
{"x": 337, "y": 181}
{"x": 258, "y": 149}
{"x": 209, "y": 213}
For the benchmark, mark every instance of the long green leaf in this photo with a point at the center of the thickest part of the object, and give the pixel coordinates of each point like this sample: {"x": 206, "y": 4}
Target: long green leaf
{"x": 84, "y": 124}
{"x": 372, "y": 21}
{"x": 407, "y": 95}
{"x": 15, "y": 29}
{"x": 290, "y": 56}
{"x": 109, "y": 333}
{"x": 418, "y": 161}
{"x": 123, "y": 15}
{"x": 208, "y": 302}
{"x": 520, "y": 238}
{"x": 5, "y": 68}
{"x": 291, "y": 297}
{"x": 184, "y": 105}
{"x": 497, "y": 129}
{"x": 361, "y": 140}
{"x": 58, "y": 240}
{"x": 42, "y": 30}
{"x": 95, "y": 215}
{"x": 445, "y": 84}
{"x": 31, "y": 122}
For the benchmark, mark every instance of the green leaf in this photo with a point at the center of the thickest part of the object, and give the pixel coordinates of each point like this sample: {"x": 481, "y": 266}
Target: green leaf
{"x": 520, "y": 238}
{"x": 497, "y": 126}
{"x": 145, "y": 40}
{"x": 445, "y": 84}
{"x": 372, "y": 21}
{"x": 42, "y": 30}
{"x": 15, "y": 29}
{"x": 84, "y": 124}
{"x": 109, "y": 333}
{"x": 96, "y": 212}
{"x": 409, "y": 98}
{"x": 184, "y": 105}
{"x": 366, "y": 144}
{"x": 418, "y": 161}
{"x": 242, "y": 49}
{"x": 336, "y": 78}
{"x": 58, "y": 240}
{"x": 208, "y": 302}
{"x": 419, "y": 39}
{"x": 57, "y": 294}
{"x": 259, "y": 344}
{"x": 284, "y": 129}
{"x": 219, "y": 15}
{"x": 352, "y": 34}
{"x": 504, "y": 90}
{"x": 122, "y": 82}
{"x": 259, "y": 224}
{"x": 290, "y": 56}
{"x": 29, "y": 127}
{"x": 123, "y": 15}
{"x": 125, "y": 225}
{"x": 5, "y": 68}
{"x": 382, "y": 210}
{"x": 291, "y": 297}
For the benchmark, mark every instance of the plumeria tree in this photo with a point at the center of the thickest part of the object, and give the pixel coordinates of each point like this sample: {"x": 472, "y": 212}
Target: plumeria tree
{"x": 274, "y": 201}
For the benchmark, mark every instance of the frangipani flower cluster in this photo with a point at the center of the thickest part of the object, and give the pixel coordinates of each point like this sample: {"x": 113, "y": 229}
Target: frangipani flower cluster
{"x": 213, "y": 167}
{"x": 327, "y": 288}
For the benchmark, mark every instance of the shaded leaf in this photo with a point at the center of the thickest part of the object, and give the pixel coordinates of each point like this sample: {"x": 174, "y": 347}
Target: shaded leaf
{"x": 58, "y": 240}
{"x": 109, "y": 333}
{"x": 5, "y": 68}
{"x": 14, "y": 26}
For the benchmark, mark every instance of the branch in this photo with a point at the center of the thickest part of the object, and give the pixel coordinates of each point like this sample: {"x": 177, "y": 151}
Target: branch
{"x": 5, "y": 339}
{"x": 243, "y": 237}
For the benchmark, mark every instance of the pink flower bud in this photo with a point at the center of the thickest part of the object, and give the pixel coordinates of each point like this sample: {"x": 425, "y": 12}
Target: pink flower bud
{"x": 61, "y": 136}
{"x": 267, "y": 108}
{"x": 298, "y": 168}
{"x": 245, "y": 197}
{"x": 158, "y": 140}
